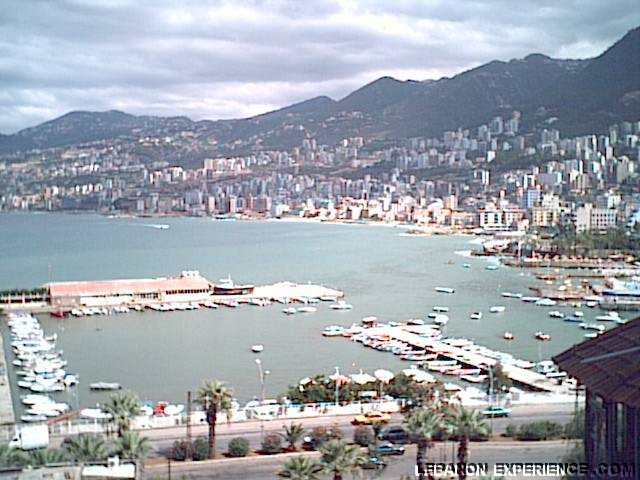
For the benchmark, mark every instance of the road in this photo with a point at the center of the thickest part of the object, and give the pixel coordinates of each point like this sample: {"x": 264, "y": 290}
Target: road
{"x": 163, "y": 438}
{"x": 263, "y": 468}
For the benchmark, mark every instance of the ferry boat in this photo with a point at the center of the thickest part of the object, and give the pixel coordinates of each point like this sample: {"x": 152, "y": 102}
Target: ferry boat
{"x": 228, "y": 287}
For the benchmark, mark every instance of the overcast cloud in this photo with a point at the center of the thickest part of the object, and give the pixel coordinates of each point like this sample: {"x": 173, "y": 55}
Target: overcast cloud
{"x": 219, "y": 59}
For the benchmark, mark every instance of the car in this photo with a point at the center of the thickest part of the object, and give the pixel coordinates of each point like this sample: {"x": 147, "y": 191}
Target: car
{"x": 388, "y": 448}
{"x": 496, "y": 411}
{"x": 371, "y": 417}
{"x": 374, "y": 463}
{"x": 395, "y": 434}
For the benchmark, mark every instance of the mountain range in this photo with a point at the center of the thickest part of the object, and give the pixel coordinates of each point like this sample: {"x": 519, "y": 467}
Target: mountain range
{"x": 580, "y": 96}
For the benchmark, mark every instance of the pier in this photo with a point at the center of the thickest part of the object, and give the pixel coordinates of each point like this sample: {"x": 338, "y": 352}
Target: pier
{"x": 7, "y": 415}
{"x": 411, "y": 336}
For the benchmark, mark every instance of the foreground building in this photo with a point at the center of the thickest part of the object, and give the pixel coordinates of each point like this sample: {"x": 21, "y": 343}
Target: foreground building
{"x": 609, "y": 367}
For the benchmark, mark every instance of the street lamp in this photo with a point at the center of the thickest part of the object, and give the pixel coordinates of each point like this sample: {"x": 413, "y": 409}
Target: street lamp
{"x": 490, "y": 369}
{"x": 337, "y": 385}
{"x": 261, "y": 374}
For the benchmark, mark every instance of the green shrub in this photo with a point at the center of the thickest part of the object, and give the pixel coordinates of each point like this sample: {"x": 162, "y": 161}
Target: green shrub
{"x": 363, "y": 436}
{"x": 544, "y": 430}
{"x": 575, "y": 428}
{"x": 272, "y": 443}
{"x": 511, "y": 431}
{"x": 238, "y": 447}
{"x": 200, "y": 448}
{"x": 322, "y": 434}
{"x": 179, "y": 450}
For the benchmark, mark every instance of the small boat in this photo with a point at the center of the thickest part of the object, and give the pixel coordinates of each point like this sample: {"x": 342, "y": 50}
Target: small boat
{"x": 444, "y": 290}
{"x": 592, "y": 304}
{"x": 591, "y": 335}
{"x": 441, "y": 319}
{"x": 573, "y": 319}
{"x": 33, "y": 417}
{"x": 476, "y": 316}
{"x": 491, "y": 267}
{"x": 466, "y": 265}
{"x": 556, "y": 314}
{"x": 105, "y": 386}
{"x": 578, "y": 313}
{"x": 530, "y": 299}
{"x": 497, "y": 309}
{"x": 341, "y": 305}
{"x": 542, "y": 336}
{"x": 592, "y": 326}
{"x": 546, "y": 302}
{"x": 415, "y": 321}
{"x": 474, "y": 378}
{"x": 328, "y": 298}
{"x": 307, "y": 309}
{"x": 289, "y": 310}
{"x": 511, "y": 295}
{"x": 610, "y": 317}
{"x": 257, "y": 348}
{"x": 333, "y": 331}
{"x": 440, "y": 309}
{"x": 508, "y": 336}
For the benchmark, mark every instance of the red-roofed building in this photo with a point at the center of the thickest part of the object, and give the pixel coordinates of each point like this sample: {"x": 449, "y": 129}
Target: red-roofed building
{"x": 189, "y": 286}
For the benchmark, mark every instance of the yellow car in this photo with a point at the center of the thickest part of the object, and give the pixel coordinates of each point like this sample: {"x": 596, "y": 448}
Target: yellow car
{"x": 371, "y": 417}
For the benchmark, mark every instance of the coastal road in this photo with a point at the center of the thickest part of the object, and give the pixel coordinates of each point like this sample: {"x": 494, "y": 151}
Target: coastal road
{"x": 263, "y": 468}
{"x": 163, "y": 438}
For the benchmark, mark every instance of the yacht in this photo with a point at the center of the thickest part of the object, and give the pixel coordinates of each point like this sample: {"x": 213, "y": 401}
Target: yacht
{"x": 444, "y": 290}
{"x": 556, "y": 314}
{"x": 497, "y": 309}
{"x": 341, "y": 305}
{"x": 228, "y": 287}
{"x": 476, "y": 316}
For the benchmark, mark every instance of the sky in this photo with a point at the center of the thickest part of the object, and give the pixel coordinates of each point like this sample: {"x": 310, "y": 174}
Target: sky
{"x": 232, "y": 59}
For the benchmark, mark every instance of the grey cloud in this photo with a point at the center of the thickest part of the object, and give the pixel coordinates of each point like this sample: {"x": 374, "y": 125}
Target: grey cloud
{"x": 220, "y": 59}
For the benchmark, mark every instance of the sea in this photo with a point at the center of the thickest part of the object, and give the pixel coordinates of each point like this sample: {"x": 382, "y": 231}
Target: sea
{"x": 383, "y": 272}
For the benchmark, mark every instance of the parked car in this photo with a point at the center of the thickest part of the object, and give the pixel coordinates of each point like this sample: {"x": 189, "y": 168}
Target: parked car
{"x": 371, "y": 417}
{"x": 495, "y": 411}
{"x": 374, "y": 463}
{"x": 388, "y": 448}
{"x": 395, "y": 434}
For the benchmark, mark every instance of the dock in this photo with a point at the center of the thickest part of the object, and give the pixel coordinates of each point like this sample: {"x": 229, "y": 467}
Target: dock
{"x": 411, "y": 336}
{"x": 7, "y": 415}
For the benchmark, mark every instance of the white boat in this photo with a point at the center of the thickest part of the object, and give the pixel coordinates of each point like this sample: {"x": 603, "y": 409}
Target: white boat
{"x": 476, "y": 316}
{"x": 289, "y": 310}
{"x": 105, "y": 386}
{"x": 578, "y": 314}
{"x": 592, "y": 326}
{"x": 591, "y": 335}
{"x": 33, "y": 418}
{"x": 415, "y": 321}
{"x": 466, "y": 265}
{"x": 440, "y": 309}
{"x": 257, "y": 348}
{"x": 556, "y": 314}
{"x": 610, "y": 317}
{"x": 491, "y": 267}
{"x": 341, "y": 305}
{"x": 307, "y": 309}
{"x": 497, "y": 309}
{"x": 508, "y": 336}
{"x": 511, "y": 295}
{"x": 530, "y": 299}
{"x": 546, "y": 302}
{"x": 328, "y": 298}
{"x": 542, "y": 336}
{"x": 333, "y": 331}
{"x": 444, "y": 290}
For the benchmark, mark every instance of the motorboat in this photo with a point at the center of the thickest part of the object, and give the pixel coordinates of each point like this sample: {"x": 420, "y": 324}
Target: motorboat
{"x": 341, "y": 305}
{"x": 476, "y": 316}
{"x": 511, "y": 295}
{"x": 578, "y": 313}
{"x": 546, "y": 302}
{"x": 573, "y": 319}
{"x": 441, "y": 319}
{"x": 610, "y": 317}
{"x": 542, "y": 336}
{"x": 444, "y": 290}
{"x": 307, "y": 309}
{"x": 497, "y": 309}
{"x": 508, "y": 336}
{"x": 556, "y": 314}
{"x": 33, "y": 418}
{"x": 440, "y": 309}
{"x": 105, "y": 386}
{"x": 415, "y": 321}
{"x": 257, "y": 348}
{"x": 592, "y": 326}
{"x": 530, "y": 299}
{"x": 289, "y": 310}
{"x": 333, "y": 331}
{"x": 466, "y": 265}
{"x": 491, "y": 267}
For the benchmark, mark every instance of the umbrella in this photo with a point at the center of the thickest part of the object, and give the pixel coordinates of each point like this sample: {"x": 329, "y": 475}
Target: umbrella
{"x": 411, "y": 371}
{"x": 421, "y": 376}
{"x": 340, "y": 379}
{"x": 305, "y": 381}
{"x": 385, "y": 376}
{"x": 362, "y": 378}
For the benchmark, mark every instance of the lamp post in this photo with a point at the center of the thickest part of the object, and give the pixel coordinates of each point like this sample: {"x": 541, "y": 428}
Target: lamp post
{"x": 261, "y": 374}
{"x": 337, "y": 385}
{"x": 490, "y": 369}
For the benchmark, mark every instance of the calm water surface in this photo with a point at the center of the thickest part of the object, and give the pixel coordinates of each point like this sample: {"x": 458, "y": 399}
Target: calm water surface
{"x": 162, "y": 355}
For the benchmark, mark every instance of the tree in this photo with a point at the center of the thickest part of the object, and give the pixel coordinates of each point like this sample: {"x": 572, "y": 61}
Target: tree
{"x": 301, "y": 468}
{"x": 463, "y": 424}
{"x": 501, "y": 381}
{"x": 338, "y": 459}
{"x": 422, "y": 425}
{"x": 214, "y": 397}
{"x": 133, "y": 446}
{"x": 10, "y": 457}
{"x": 292, "y": 435}
{"x": 85, "y": 448}
{"x": 42, "y": 457}
{"x": 123, "y": 407}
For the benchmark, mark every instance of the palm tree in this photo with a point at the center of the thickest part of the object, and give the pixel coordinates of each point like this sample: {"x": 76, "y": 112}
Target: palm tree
{"x": 133, "y": 446}
{"x": 463, "y": 424}
{"x": 338, "y": 459}
{"x": 422, "y": 425}
{"x": 42, "y": 457}
{"x": 85, "y": 448}
{"x": 123, "y": 407}
{"x": 300, "y": 468}
{"x": 292, "y": 434}
{"x": 214, "y": 397}
{"x": 10, "y": 457}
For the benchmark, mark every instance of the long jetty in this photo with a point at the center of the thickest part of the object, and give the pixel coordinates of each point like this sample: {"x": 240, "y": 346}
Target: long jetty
{"x": 411, "y": 336}
{"x": 7, "y": 415}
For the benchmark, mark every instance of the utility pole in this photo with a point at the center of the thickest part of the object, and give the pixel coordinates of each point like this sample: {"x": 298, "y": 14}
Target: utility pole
{"x": 189, "y": 425}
